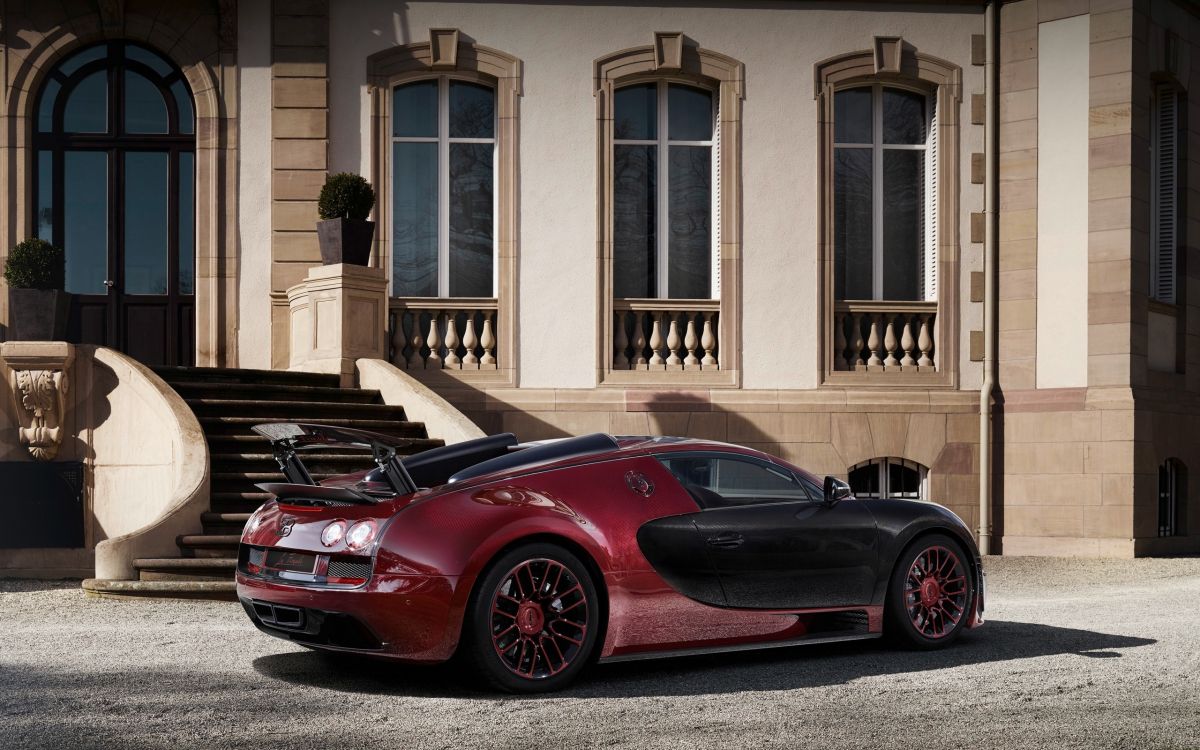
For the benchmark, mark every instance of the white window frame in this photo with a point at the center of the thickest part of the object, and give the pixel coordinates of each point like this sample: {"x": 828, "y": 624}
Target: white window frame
{"x": 928, "y": 280}
{"x": 443, "y": 141}
{"x": 662, "y": 206}
{"x": 1165, "y": 184}
{"x": 885, "y": 493}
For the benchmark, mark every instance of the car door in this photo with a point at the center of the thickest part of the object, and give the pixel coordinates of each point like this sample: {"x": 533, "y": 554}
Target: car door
{"x": 772, "y": 541}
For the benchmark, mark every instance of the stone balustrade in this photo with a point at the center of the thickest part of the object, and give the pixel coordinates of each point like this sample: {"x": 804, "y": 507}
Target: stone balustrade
{"x": 651, "y": 334}
{"x": 443, "y": 334}
{"x": 884, "y": 336}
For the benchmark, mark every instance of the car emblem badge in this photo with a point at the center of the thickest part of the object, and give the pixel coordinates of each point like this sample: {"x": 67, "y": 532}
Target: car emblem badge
{"x": 639, "y": 483}
{"x": 285, "y": 526}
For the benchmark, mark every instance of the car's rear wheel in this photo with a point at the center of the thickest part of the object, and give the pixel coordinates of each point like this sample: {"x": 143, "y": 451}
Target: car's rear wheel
{"x": 532, "y": 620}
{"x": 930, "y": 593}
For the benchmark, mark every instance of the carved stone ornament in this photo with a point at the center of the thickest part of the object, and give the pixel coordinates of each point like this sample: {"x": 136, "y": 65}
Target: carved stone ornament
{"x": 38, "y": 374}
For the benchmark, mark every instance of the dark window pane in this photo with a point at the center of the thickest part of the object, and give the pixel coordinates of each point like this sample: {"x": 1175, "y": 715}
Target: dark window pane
{"x": 85, "y": 219}
{"x": 852, "y": 116}
{"x": 472, "y": 110}
{"x": 689, "y": 243}
{"x": 46, "y": 108}
{"x": 187, "y": 223}
{"x": 183, "y": 103}
{"x": 689, "y": 113}
{"x": 87, "y": 107}
{"x": 145, "y": 108}
{"x": 744, "y": 481}
{"x": 864, "y": 481}
{"x": 634, "y": 195}
{"x": 471, "y": 219}
{"x": 414, "y": 219}
{"x": 414, "y": 110}
{"x": 903, "y": 227}
{"x": 146, "y": 221}
{"x": 903, "y": 481}
{"x": 852, "y": 223}
{"x": 45, "y": 196}
{"x": 903, "y": 117}
{"x": 636, "y": 113}
{"x": 72, "y": 64}
{"x": 149, "y": 59}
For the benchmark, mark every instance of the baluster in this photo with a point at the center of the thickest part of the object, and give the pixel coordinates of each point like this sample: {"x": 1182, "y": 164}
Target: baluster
{"x": 470, "y": 341}
{"x": 889, "y": 342}
{"x": 487, "y": 341}
{"x": 656, "y": 342}
{"x": 690, "y": 342}
{"x": 856, "y": 321}
{"x": 620, "y": 342}
{"x": 873, "y": 342}
{"x": 907, "y": 343}
{"x": 708, "y": 341}
{"x": 415, "y": 342}
{"x": 452, "y": 340}
{"x": 673, "y": 342}
{"x": 399, "y": 336}
{"x": 434, "y": 342}
{"x": 639, "y": 341}
{"x": 925, "y": 343}
{"x": 839, "y": 341}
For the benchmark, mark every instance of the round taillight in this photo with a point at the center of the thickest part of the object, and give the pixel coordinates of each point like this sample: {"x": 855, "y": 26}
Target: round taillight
{"x": 333, "y": 533}
{"x": 360, "y": 535}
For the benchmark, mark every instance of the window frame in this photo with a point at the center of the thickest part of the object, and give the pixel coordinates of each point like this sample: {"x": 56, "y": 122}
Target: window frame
{"x": 662, "y": 144}
{"x": 882, "y": 465}
{"x": 771, "y": 466}
{"x": 1172, "y": 504}
{"x": 893, "y": 62}
{"x": 443, "y": 139}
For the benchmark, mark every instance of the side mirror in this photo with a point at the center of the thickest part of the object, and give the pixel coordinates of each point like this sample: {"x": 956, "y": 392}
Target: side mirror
{"x": 836, "y": 490}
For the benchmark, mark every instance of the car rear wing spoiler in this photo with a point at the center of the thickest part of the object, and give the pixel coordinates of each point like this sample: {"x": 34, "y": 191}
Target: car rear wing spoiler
{"x": 289, "y": 438}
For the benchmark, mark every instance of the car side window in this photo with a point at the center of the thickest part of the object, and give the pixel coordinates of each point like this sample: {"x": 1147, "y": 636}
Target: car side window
{"x": 717, "y": 481}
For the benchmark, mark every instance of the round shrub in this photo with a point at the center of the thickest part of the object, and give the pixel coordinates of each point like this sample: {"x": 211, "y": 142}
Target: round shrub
{"x": 36, "y": 264}
{"x": 346, "y": 196}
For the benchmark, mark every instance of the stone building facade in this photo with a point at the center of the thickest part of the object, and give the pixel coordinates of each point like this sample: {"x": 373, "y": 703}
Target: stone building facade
{"x": 822, "y": 230}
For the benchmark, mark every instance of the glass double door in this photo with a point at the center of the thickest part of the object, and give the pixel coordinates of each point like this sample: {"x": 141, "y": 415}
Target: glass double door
{"x": 126, "y": 220}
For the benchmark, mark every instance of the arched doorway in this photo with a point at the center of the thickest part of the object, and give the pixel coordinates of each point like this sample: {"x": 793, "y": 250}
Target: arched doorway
{"x": 114, "y": 180}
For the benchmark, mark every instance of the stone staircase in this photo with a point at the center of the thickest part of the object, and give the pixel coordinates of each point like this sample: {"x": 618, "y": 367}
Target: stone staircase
{"x": 227, "y": 403}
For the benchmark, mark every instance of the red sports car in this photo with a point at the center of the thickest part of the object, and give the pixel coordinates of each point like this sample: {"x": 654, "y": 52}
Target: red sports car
{"x": 531, "y": 560}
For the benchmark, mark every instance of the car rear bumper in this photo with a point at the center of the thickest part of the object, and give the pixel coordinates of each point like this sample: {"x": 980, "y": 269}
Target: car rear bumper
{"x": 407, "y": 617}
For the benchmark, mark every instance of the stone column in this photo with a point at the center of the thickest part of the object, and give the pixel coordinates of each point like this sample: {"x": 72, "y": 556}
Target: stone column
{"x": 338, "y": 314}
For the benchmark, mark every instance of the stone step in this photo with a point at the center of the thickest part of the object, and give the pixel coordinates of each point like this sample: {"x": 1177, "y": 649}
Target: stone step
{"x": 174, "y": 375}
{"x": 207, "y": 545}
{"x": 274, "y": 392}
{"x": 108, "y": 589}
{"x": 292, "y": 411}
{"x": 239, "y": 519}
{"x": 221, "y": 425}
{"x": 186, "y": 568}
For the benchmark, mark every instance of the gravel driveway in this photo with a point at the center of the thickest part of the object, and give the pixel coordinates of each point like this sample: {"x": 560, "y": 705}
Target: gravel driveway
{"x": 1088, "y": 654}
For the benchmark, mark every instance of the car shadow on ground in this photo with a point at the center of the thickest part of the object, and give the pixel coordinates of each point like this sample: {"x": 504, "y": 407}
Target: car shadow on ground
{"x": 771, "y": 669}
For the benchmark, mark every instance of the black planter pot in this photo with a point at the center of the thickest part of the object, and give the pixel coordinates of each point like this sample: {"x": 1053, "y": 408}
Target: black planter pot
{"x": 345, "y": 241}
{"x": 38, "y": 314}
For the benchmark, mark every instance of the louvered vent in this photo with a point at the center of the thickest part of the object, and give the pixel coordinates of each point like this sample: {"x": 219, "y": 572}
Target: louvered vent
{"x": 1165, "y": 211}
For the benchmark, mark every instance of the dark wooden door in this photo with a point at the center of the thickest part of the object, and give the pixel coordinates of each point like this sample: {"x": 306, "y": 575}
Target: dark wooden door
{"x": 115, "y": 186}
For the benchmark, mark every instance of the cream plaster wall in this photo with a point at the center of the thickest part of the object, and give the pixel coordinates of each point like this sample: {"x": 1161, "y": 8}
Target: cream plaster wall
{"x": 254, "y": 184}
{"x": 1062, "y": 202}
{"x": 557, "y": 308}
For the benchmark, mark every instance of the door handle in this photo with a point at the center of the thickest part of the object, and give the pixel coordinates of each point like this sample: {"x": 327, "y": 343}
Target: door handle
{"x": 108, "y": 285}
{"x": 727, "y": 540}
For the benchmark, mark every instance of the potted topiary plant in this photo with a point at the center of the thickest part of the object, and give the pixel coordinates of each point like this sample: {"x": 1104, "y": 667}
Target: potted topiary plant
{"x": 37, "y": 305}
{"x": 344, "y": 233}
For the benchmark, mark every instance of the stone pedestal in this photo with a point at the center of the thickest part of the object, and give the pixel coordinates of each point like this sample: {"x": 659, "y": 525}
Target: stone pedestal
{"x": 38, "y": 370}
{"x": 338, "y": 315}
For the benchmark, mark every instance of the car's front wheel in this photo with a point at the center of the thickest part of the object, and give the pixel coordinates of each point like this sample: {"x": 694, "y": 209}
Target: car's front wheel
{"x": 930, "y": 593}
{"x": 533, "y": 619}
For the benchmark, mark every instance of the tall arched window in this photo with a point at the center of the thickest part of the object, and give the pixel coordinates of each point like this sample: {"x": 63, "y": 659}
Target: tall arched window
{"x": 443, "y": 217}
{"x": 114, "y": 186}
{"x": 890, "y": 478}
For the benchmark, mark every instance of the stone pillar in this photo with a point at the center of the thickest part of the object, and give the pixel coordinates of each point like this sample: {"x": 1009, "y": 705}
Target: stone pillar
{"x": 338, "y": 314}
{"x": 38, "y": 371}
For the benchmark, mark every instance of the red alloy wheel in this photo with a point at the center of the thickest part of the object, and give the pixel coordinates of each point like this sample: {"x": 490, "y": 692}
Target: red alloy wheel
{"x": 539, "y": 618}
{"x": 935, "y": 592}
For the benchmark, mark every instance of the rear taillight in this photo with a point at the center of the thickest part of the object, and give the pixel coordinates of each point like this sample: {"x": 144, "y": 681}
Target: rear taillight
{"x": 360, "y": 535}
{"x": 333, "y": 533}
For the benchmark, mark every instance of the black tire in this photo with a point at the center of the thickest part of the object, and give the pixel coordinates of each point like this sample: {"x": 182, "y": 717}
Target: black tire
{"x": 929, "y": 611}
{"x": 545, "y": 625}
